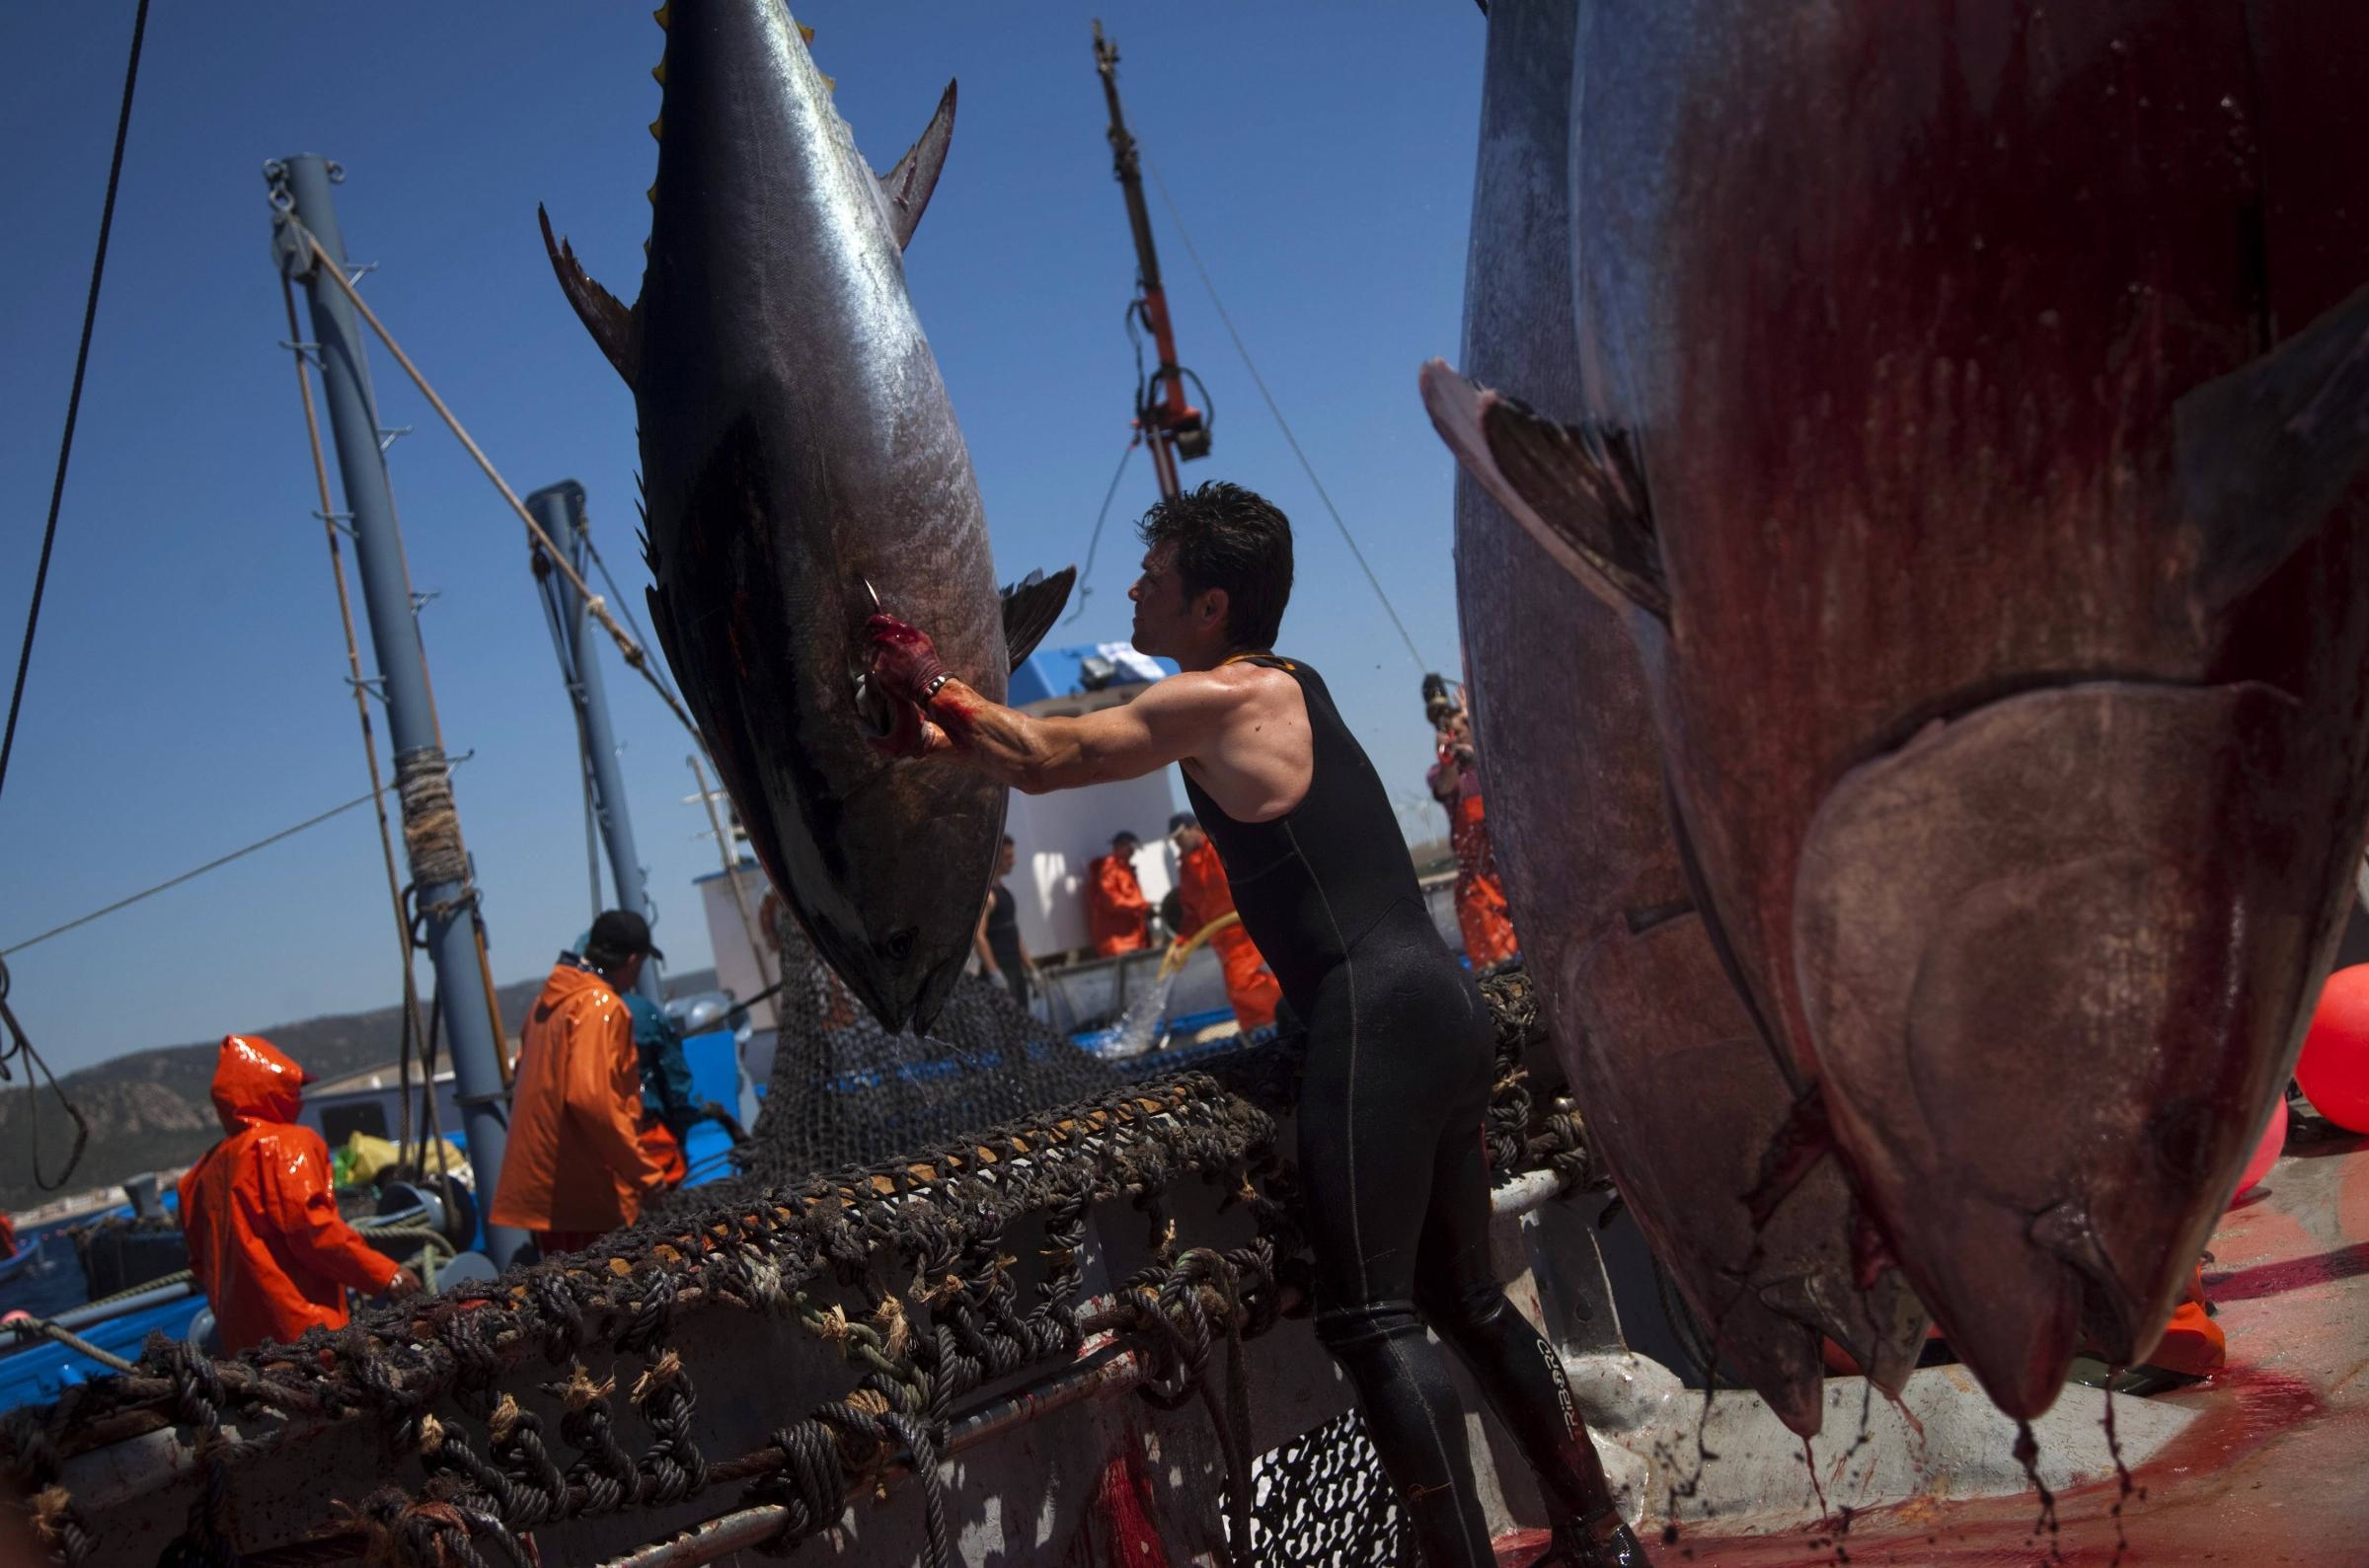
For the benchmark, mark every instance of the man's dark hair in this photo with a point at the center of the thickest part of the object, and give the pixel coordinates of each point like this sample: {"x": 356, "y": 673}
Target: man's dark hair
{"x": 1229, "y": 538}
{"x": 608, "y": 960}
{"x": 1009, "y": 841}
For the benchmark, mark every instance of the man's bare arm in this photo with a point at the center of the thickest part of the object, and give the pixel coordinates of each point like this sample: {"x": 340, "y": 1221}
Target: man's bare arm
{"x": 1169, "y": 722}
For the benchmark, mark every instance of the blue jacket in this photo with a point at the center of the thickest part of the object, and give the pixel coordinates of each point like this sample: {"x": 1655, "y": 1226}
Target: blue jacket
{"x": 667, "y": 1087}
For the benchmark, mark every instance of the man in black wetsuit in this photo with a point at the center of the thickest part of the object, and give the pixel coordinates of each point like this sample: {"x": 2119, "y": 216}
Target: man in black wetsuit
{"x": 1002, "y": 954}
{"x": 1400, "y": 1045}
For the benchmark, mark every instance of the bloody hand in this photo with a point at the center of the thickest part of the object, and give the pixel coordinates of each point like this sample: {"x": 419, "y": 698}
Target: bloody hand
{"x": 904, "y": 662}
{"x": 907, "y": 736}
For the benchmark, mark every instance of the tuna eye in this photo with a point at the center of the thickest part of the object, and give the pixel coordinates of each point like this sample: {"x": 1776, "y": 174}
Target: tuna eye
{"x": 899, "y": 945}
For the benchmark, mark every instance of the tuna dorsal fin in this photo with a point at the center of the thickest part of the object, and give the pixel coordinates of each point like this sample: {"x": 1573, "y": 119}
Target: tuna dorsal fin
{"x": 907, "y": 187}
{"x": 614, "y": 327}
{"x": 2264, "y": 451}
{"x": 1031, "y": 607}
{"x": 1575, "y": 488}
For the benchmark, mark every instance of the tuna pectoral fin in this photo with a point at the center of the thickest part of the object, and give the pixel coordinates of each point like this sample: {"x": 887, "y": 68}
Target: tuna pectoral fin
{"x": 2265, "y": 450}
{"x": 613, "y": 327}
{"x": 906, "y": 187}
{"x": 1575, "y": 488}
{"x": 1031, "y": 607}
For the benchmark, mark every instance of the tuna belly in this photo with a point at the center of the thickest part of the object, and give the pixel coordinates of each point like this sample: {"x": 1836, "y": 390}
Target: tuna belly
{"x": 2052, "y": 954}
{"x": 1683, "y": 1098}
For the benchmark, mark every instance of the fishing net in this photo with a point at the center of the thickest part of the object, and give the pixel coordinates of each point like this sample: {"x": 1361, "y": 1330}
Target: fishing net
{"x": 1323, "y": 1501}
{"x": 846, "y": 1091}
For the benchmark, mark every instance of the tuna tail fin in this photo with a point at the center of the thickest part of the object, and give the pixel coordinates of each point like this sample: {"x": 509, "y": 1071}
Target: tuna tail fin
{"x": 906, "y": 187}
{"x": 1576, "y": 488}
{"x": 617, "y": 329}
{"x": 2264, "y": 451}
{"x": 1031, "y": 607}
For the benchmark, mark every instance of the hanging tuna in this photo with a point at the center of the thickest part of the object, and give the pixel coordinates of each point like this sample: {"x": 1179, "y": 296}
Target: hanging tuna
{"x": 801, "y": 468}
{"x": 1977, "y": 399}
{"x": 1681, "y": 1090}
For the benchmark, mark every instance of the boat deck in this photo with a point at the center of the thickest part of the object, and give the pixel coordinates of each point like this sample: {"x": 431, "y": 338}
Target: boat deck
{"x": 2269, "y": 1471}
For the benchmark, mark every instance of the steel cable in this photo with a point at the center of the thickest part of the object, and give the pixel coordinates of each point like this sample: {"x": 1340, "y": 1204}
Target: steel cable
{"x": 82, "y": 360}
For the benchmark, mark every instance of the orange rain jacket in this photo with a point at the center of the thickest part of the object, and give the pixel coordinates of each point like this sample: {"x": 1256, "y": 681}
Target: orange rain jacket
{"x": 265, "y": 1242}
{"x": 1202, "y": 888}
{"x": 1481, "y": 911}
{"x": 1115, "y": 907}
{"x": 576, "y": 1161}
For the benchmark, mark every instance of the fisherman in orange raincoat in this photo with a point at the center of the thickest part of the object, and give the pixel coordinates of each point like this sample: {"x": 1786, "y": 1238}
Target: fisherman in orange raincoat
{"x": 1455, "y": 780}
{"x": 1205, "y": 896}
{"x": 1116, "y": 907}
{"x": 265, "y": 1242}
{"x": 577, "y": 1168}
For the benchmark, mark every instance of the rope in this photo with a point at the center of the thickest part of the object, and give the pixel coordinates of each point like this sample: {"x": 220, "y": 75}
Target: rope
{"x": 19, "y": 1044}
{"x": 68, "y": 1338}
{"x": 1093, "y": 540}
{"x": 629, "y": 649}
{"x": 82, "y": 360}
{"x": 442, "y": 1376}
{"x": 1282, "y": 424}
{"x": 361, "y": 703}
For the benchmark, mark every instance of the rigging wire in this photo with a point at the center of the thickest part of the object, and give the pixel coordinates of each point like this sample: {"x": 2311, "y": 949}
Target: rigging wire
{"x": 82, "y": 360}
{"x": 214, "y": 865}
{"x": 564, "y": 647}
{"x": 362, "y": 702}
{"x": 627, "y": 647}
{"x": 1259, "y": 381}
{"x": 1095, "y": 540}
{"x": 625, "y": 606}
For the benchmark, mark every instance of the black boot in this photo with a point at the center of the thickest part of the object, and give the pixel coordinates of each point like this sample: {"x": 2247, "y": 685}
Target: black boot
{"x": 1602, "y": 1542}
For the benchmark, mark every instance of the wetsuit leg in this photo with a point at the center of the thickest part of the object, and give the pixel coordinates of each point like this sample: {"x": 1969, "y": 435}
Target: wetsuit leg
{"x": 1518, "y": 1371}
{"x": 1384, "y": 1073}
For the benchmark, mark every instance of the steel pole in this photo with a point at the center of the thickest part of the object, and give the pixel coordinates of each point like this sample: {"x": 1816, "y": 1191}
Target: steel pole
{"x": 559, "y": 508}
{"x": 439, "y": 867}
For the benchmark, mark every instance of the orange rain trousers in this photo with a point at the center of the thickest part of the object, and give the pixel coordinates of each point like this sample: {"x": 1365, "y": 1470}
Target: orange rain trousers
{"x": 1481, "y": 911}
{"x": 265, "y": 1242}
{"x": 1115, "y": 908}
{"x": 1202, "y": 889}
{"x": 576, "y": 1161}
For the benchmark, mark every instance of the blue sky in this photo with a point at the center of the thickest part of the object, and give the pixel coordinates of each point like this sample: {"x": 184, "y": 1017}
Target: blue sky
{"x": 187, "y": 688}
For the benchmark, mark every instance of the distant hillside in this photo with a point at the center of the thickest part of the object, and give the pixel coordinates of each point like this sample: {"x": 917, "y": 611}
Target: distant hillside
{"x": 150, "y": 1111}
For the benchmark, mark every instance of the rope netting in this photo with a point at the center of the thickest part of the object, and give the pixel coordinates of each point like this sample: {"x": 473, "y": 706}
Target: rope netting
{"x": 904, "y": 1267}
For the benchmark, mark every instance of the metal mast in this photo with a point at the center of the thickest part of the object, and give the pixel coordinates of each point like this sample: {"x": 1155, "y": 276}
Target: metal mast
{"x": 1172, "y": 428}
{"x": 559, "y": 508}
{"x": 431, "y": 828}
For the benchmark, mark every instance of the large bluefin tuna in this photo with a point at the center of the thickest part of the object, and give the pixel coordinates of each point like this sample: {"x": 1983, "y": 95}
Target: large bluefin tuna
{"x": 1977, "y": 400}
{"x": 801, "y": 466}
{"x": 1680, "y": 1089}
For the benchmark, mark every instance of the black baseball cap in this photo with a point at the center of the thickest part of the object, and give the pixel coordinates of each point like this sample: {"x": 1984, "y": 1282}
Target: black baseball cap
{"x": 1180, "y": 821}
{"x": 621, "y": 932}
{"x": 1123, "y": 836}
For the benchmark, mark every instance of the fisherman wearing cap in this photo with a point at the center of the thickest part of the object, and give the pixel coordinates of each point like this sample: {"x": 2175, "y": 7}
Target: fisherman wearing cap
{"x": 1393, "y": 1170}
{"x": 260, "y": 1213}
{"x": 576, "y": 1166}
{"x": 1115, "y": 908}
{"x": 1455, "y": 780}
{"x": 1203, "y": 897}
